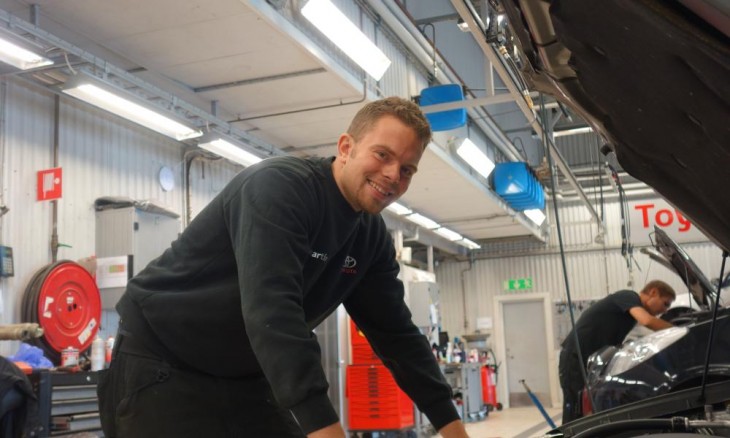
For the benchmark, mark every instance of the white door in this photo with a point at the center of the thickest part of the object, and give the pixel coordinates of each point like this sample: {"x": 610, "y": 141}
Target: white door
{"x": 526, "y": 351}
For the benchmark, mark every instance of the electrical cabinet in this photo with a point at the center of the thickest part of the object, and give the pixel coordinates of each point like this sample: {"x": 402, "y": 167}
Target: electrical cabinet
{"x": 132, "y": 232}
{"x": 422, "y": 296}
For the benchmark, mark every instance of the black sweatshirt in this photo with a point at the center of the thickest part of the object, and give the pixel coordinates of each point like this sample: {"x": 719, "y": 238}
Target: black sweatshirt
{"x": 272, "y": 255}
{"x": 606, "y": 322}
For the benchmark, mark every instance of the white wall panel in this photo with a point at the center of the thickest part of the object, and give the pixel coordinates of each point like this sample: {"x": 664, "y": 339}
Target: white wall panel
{"x": 580, "y": 229}
{"x": 395, "y": 81}
{"x": 207, "y": 178}
{"x": 27, "y": 136}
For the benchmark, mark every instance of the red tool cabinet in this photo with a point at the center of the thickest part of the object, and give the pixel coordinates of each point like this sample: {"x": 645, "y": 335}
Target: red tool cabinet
{"x": 375, "y": 400}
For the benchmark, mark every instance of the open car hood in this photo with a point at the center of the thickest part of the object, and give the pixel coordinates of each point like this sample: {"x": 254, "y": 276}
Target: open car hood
{"x": 651, "y": 77}
{"x": 674, "y": 256}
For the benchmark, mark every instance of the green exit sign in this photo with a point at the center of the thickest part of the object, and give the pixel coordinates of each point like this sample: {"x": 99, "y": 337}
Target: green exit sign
{"x": 518, "y": 284}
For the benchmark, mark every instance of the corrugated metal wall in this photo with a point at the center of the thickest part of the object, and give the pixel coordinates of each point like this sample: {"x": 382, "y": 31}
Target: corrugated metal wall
{"x": 207, "y": 178}
{"x": 591, "y": 271}
{"x": 397, "y": 79}
{"x": 101, "y": 155}
{"x": 579, "y": 228}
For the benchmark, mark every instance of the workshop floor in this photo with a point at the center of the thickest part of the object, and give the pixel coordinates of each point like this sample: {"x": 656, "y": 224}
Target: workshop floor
{"x": 519, "y": 422}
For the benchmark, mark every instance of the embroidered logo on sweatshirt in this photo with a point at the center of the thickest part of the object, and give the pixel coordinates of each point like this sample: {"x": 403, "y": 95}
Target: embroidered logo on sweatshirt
{"x": 349, "y": 266}
{"x": 320, "y": 256}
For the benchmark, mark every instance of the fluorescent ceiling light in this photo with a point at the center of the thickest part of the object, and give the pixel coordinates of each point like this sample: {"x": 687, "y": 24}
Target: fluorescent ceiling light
{"x": 468, "y": 243}
{"x": 422, "y": 221}
{"x": 24, "y": 59}
{"x": 535, "y": 215}
{"x": 447, "y": 233}
{"x": 341, "y": 31}
{"x": 124, "y": 104}
{"x": 474, "y": 157}
{"x": 227, "y": 149}
{"x": 584, "y": 130}
{"x": 399, "y": 209}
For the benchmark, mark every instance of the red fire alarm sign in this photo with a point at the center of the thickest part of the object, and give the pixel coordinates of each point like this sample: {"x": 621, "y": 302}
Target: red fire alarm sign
{"x": 49, "y": 184}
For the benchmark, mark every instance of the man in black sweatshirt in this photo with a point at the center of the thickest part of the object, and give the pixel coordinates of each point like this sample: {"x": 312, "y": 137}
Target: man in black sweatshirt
{"x": 215, "y": 337}
{"x": 607, "y": 322}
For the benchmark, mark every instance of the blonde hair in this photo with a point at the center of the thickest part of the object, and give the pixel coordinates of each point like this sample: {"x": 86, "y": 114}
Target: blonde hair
{"x": 664, "y": 289}
{"x": 404, "y": 110}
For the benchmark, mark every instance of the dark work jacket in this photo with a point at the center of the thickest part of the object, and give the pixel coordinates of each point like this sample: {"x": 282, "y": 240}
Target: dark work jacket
{"x": 25, "y": 419}
{"x": 242, "y": 288}
{"x": 605, "y": 322}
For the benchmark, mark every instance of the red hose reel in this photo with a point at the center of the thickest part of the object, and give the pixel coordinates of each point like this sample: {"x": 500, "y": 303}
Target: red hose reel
{"x": 64, "y": 300}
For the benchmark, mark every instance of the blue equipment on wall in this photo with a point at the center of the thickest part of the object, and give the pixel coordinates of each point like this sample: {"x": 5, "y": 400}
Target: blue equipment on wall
{"x": 449, "y": 119}
{"x": 518, "y": 186}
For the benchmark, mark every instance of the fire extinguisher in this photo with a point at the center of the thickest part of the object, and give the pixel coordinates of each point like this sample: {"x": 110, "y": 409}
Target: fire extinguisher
{"x": 489, "y": 386}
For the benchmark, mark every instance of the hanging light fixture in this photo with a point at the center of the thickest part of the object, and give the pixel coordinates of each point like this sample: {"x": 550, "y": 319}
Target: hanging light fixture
{"x": 468, "y": 243}
{"x": 116, "y": 100}
{"x": 432, "y": 225}
{"x": 348, "y": 37}
{"x": 423, "y": 221}
{"x": 573, "y": 131}
{"x": 535, "y": 215}
{"x": 448, "y": 234}
{"x": 20, "y": 55}
{"x": 226, "y": 147}
{"x": 474, "y": 157}
{"x": 399, "y": 209}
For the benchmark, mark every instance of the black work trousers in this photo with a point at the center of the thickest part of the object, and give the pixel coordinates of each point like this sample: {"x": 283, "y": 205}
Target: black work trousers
{"x": 571, "y": 381}
{"x": 142, "y": 395}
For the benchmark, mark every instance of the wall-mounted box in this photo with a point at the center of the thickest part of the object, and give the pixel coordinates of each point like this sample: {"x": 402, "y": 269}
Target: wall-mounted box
{"x": 138, "y": 234}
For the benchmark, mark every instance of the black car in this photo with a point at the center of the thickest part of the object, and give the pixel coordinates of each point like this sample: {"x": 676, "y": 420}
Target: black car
{"x": 651, "y": 77}
{"x": 668, "y": 360}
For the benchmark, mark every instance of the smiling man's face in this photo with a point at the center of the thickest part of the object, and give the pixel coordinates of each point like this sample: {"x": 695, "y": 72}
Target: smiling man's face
{"x": 376, "y": 170}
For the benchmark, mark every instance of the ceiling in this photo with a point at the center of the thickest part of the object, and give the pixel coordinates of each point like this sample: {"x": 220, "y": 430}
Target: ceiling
{"x": 242, "y": 62}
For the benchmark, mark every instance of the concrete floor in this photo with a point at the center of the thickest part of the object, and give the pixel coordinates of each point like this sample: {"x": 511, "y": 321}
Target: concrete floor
{"x": 519, "y": 422}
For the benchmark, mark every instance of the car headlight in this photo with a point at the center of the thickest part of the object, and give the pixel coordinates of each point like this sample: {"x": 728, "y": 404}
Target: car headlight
{"x": 598, "y": 361}
{"x": 640, "y": 350}
{"x": 601, "y": 357}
